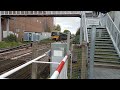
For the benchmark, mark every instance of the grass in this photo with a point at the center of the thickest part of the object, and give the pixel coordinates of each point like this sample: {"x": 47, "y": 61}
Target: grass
{"x": 4, "y": 44}
{"x": 47, "y": 41}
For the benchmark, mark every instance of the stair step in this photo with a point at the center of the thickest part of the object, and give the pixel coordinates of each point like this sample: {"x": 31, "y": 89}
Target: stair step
{"x": 97, "y": 36}
{"x": 106, "y": 61}
{"x": 102, "y": 42}
{"x": 98, "y": 27}
{"x": 103, "y": 38}
{"x": 99, "y": 39}
{"x": 116, "y": 66}
{"x": 105, "y": 34}
{"x": 109, "y": 54}
{"x": 102, "y": 47}
{"x": 104, "y": 50}
{"x": 99, "y": 44}
{"x": 106, "y": 57}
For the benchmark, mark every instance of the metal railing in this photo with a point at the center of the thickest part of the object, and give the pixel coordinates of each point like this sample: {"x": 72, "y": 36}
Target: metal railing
{"x": 84, "y": 30}
{"x": 113, "y": 31}
{"x": 22, "y": 66}
{"x": 40, "y": 12}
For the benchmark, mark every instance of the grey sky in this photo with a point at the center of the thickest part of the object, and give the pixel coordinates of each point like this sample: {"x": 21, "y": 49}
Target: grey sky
{"x": 69, "y": 23}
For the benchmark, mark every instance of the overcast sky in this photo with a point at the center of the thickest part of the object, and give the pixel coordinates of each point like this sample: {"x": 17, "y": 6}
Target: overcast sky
{"x": 69, "y": 23}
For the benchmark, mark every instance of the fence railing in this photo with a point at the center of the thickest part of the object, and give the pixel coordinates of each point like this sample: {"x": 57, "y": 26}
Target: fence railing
{"x": 113, "y": 31}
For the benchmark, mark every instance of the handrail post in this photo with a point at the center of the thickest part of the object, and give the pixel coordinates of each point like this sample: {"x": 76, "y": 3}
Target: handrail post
{"x": 0, "y": 28}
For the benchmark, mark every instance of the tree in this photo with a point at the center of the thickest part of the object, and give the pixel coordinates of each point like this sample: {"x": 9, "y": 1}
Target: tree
{"x": 78, "y": 32}
{"x": 66, "y": 31}
{"x": 57, "y": 28}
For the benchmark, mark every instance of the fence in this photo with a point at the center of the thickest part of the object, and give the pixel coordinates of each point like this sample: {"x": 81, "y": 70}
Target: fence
{"x": 113, "y": 31}
{"x": 84, "y": 44}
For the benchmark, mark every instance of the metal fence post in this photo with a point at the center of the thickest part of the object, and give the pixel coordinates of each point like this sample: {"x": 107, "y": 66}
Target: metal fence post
{"x": 34, "y": 70}
{"x": 81, "y": 31}
{"x": 34, "y": 50}
{"x": 84, "y": 61}
{"x": 92, "y": 52}
{"x": 68, "y": 43}
{"x": 71, "y": 61}
{"x": 0, "y": 28}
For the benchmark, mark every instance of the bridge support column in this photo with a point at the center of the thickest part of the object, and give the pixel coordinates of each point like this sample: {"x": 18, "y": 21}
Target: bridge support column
{"x": 7, "y": 26}
{"x": 92, "y": 53}
{"x": 0, "y": 28}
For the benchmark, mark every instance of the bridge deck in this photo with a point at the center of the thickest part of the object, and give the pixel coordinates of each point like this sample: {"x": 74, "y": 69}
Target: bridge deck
{"x": 40, "y": 13}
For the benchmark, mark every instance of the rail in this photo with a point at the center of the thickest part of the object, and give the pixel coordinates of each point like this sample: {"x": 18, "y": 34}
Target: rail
{"x": 61, "y": 69}
{"x": 113, "y": 31}
{"x": 22, "y": 66}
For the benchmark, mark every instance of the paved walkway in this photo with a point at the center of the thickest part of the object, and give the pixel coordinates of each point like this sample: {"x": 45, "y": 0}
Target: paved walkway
{"x": 106, "y": 73}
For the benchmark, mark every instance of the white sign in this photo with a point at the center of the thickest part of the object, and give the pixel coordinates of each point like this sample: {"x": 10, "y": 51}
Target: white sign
{"x": 91, "y": 21}
{"x": 58, "y": 53}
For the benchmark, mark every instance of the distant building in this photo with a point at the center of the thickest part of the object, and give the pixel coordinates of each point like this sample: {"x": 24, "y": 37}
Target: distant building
{"x": 19, "y": 25}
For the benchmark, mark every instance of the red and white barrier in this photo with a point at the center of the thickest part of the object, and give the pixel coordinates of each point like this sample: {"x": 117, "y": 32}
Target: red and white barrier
{"x": 59, "y": 68}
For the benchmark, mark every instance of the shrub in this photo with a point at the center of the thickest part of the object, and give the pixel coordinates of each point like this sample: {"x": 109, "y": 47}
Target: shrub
{"x": 76, "y": 40}
{"x": 11, "y": 38}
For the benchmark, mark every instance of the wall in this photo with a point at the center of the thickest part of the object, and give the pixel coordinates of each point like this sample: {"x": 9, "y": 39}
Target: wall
{"x": 20, "y": 25}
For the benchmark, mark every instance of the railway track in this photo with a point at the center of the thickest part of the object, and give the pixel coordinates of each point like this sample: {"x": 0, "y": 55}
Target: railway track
{"x": 15, "y": 48}
{"x": 25, "y": 55}
{"x": 22, "y": 55}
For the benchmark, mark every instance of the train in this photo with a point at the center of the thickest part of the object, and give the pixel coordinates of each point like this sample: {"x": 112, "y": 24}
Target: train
{"x": 36, "y": 36}
{"x": 58, "y": 36}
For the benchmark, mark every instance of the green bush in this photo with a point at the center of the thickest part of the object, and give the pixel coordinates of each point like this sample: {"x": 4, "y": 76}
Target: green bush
{"x": 76, "y": 40}
{"x": 11, "y": 38}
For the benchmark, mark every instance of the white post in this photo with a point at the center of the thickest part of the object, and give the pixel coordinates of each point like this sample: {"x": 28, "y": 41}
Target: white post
{"x": 7, "y": 26}
{"x": 68, "y": 43}
{"x": 0, "y": 28}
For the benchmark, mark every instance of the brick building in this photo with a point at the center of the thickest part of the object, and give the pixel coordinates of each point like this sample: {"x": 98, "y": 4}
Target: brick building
{"x": 20, "y": 25}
